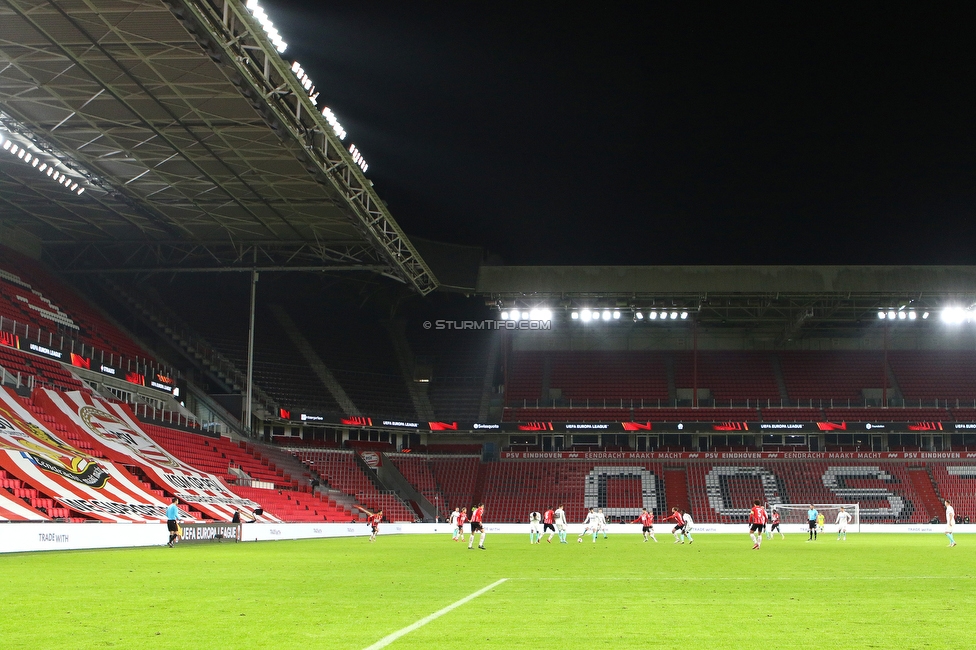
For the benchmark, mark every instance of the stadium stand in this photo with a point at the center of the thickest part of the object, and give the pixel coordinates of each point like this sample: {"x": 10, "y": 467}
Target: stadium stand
{"x": 340, "y": 471}
{"x": 44, "y": 372}
{"x": 730, "y": 376}
{"x": 32, "y": 296}
{"x": 925, "y": 376}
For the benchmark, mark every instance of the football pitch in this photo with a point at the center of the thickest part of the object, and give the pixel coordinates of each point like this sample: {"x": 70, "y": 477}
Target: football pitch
{"x": 425, "y": 591}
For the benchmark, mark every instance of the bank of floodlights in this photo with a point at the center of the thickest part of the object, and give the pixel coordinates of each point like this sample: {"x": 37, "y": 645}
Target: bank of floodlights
{"x": 47, "y": 166}
{"x": 262, "y": 17}
{"x": 536, "y": 314}
{"x": 901, "y": 314}
{"x": 638, "y": 315}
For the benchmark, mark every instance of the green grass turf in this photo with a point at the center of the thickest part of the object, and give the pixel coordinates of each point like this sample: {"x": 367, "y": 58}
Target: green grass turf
{"x": 880, "y": 591}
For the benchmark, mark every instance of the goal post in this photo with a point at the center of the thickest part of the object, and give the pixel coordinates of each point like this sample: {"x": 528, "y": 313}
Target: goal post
{"x": 796, "y": 513}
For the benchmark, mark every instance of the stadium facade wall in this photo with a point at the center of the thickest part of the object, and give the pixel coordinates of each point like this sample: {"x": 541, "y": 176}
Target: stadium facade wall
{"x": 29, "y": 537}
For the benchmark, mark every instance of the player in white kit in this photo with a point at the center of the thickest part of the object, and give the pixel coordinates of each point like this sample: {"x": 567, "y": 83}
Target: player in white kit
{"x": 843, "y": 518}
{"x": 590, "y": 524}
{"x": 689, "y": 524}
{"x": 950, "y": 522}
{"x": 535, "y": 527}
{"x": 454, "y": 523}
{"x": 603, "y": 522}
{"x": 561, "y": 524}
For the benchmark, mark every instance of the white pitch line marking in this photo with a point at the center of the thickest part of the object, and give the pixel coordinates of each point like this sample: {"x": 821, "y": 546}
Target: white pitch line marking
{"x": 387, "y": 640}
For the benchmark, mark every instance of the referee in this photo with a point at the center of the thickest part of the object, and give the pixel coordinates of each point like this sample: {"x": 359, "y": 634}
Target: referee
{"x": 812, "y": 522}
{"x": 172, "y": 514}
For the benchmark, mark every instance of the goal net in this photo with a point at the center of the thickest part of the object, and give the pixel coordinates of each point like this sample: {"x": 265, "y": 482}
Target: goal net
{"x": 790, "y": 513}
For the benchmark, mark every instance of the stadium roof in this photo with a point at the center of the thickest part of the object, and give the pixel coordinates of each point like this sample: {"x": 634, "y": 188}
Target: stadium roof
{"x": 195, "y": 142}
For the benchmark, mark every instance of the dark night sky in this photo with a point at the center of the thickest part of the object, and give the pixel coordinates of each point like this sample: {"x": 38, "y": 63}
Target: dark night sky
{"x": 652, "y": 134}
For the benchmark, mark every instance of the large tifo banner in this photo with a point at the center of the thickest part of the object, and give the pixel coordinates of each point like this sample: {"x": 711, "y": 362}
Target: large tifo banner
{"x": 13, "y": 509}
{"x": 75, "y": 479}
{"x": 114, "y": 429}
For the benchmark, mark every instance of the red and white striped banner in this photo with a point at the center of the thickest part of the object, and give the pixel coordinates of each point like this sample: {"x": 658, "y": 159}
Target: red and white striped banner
{"x": 113, "y": 428}
{"x": 77, "y": 480}
{"x": 13, "y": 509}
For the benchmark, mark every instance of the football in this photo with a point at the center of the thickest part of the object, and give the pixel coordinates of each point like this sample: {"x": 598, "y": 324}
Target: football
{"x": 579, "y": 539}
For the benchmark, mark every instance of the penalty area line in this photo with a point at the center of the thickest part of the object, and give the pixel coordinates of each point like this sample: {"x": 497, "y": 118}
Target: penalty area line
{"x": 387, "y": 640}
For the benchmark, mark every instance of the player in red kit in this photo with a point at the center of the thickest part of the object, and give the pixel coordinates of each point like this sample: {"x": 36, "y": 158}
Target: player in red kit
{"x": 757, "y": 524}
{"x": 774, "y": 526}
{"x": 477, "y": 524}
{"x": 679, "y": 525}
{"x": 646, "y": 520}
{"x": 549, "y": 523}
{"x": 373, "y": 521}
{"x": 462, "y": 519}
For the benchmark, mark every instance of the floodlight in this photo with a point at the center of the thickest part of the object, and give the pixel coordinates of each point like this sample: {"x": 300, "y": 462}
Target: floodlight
{"x": 586, "y": 315}
{"x": 616, "y": 315}
{"x": 902, "y": 315}
{"x": 7, "y": 144}
{"x": 881, "y": 315}
{"x": 925, "y": 315}
{"x": 21, "y": 153}
{"x": 953, "y": 315}
{"x": 545, "y": 314}
{"x": 74, "y": 187}
{"x": 574, "y": 315}
{"x": 652, "y": 315}
{"x": 639, "y": 316}
{"x": 14, "y": 148}
{"x": 891, "y": 314}
{"x": 684, "y": 315}
{"x": 42, "y": 167}
{"x": 27, "y": 157}
{"x": 81, "y": 191}
{"x": 674, "y": 315}
{"x": 504, "y": 315}
{"x": 50, "y": 170}
{"x": 36, "y": 162}
{"x": 911, "y": 315}
{"x": 606, "y": 314}
{"x": 516, "y": 315}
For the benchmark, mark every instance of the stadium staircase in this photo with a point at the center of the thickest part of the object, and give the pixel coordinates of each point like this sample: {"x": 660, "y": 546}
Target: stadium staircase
{"x": 205, "y": 357}
{"x": 676, "y": 487}
{"x": 314, "y": 361}
{"x": 342, "y": 471}
{"x": 405, "y": 360}
{"x": 929, "y": 501}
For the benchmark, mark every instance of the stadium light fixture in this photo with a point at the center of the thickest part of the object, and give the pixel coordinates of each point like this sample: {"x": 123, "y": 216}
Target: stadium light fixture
{"x": 639, "y": 315}
{"x": 652, "y": 315}
{"x": 606, "y": 314}
{"x": 955, "y": 315}
{"x": 925, "y": 315}
{"x": 891, "y": 314}
{"x": 674, "y": 315}
{"x": 684, "y": 315}
{"x": 358, "y": 157}
{"x": 616, "y": 314}
{"x": 881, "y": 315}
{"x": 504, "y": 315}
{"x": 515, "y": 315}
{"x": 586, "y": 315}
{"x": 902, "y": 315}
{"x": 574, "y": 315}
{"x": 34, "y": 160}
{"x": 912, "y": 315}
{"x": 262, "y": 17}
{"x": 334, "y": 123}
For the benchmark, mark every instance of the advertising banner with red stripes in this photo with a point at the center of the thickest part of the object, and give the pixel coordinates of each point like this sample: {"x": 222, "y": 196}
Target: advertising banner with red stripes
{"x": 13, "y": 509}
{"x": 113, "y": 428}
{"x": 77, "y": 480}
